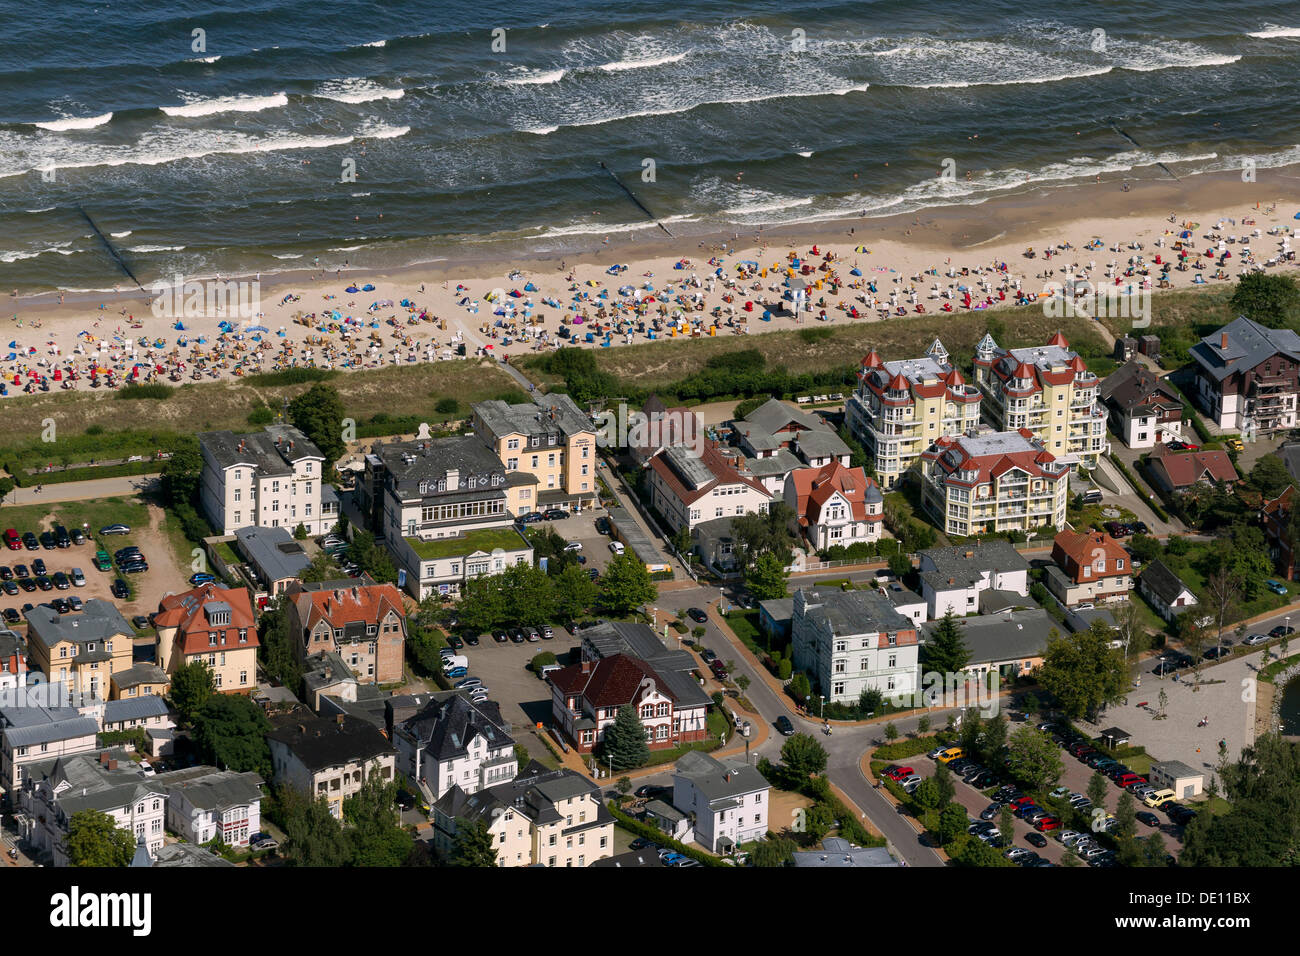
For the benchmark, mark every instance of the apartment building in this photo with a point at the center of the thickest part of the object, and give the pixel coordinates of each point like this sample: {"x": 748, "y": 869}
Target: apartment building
{"x": 552, "y": 818}
{"x": 1091, "y": 568}
{"x": 1048, "y": 391}
{"x": 445, "y": 509}
{"x": 900, "y": 408}
{"x": 686, "y": 488}
{"x": 727, "y": 797}
{"x": 271, "y": 478}
{"x": 39, "y": 722}
{"x": 84, "y": 649}
{"x": 204, "y": 803}
{"x": 553, "y": 442}
{"x": 328, "y": 758}
{"x": 363, "y": 622}
{"x": 454, "y": 742}
{"x": 212, "y": 624}
{"x": 851, "y": 641}
{"x": 13, "y": 661}
{"x": 1248, "y": 376}
{"x": 993, "y": 481}
{"x": 108, "y": 781}
{"x": 978, "y": 577}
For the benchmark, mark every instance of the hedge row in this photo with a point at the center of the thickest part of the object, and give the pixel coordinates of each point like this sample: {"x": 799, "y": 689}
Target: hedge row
{"x": 903, "y": 749}
{"x": 25, "y": 479}
{"x": 1128, "y": 476}
{"x": 655, "y": 835}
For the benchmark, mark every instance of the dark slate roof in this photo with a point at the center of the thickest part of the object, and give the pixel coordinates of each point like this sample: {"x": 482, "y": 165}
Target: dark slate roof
{"x": 632, "y": 859}
{"x": 1162, "y": 582}
{"x": 274, "y": 551}
{"x": 854, "y": 612}
{"x": 92, "y": 785}
{"x": 320, "y": 743}
{"x": 556, "y": 414}
{"x": 446, "y": 727}
{"x": 137, "y": 674}
{"x": 719, "y": 780}
{"x": 211, "y": 789}
{"x": 260, "y": 450}
{"x": 1249, "y": 343}
{"x": 98, "y": 621}
{"x": 637, "y": 640}
{"x": 533, "y": 793}
{"x": 1127, "y": 387}
{"x": 994, "y": 638}
{"x": 411, "y": 462}
{"x": 966, "y": 563}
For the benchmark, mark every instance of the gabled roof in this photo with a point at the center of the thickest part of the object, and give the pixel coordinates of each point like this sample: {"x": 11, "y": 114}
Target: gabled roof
{"x": 1247, "y": 344}
{"x": 134, "y": 708}
{"x": 719, "y": 780}
{"x": 340, "y": 604}
{"x": 1162, "y": 582}
{"x": 1084, "y": 547}
{"x": 446, "y": 727}
{"x": 208, "y": 788}
{"x": 195, "y": 614}
{"x": 814, "y": 487}
{"x": 691, "y": 477}
{"x": 611, "y": 682}
{"x": 1133, "y": 386}
{"x": 319, "y": 742}
{"x": 1006, "y": 636}
{"x": 1184, "y": 469}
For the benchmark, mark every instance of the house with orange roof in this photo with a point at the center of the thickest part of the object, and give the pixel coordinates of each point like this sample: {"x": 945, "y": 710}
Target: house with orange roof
{"x": 1178, "y": 471}
{"x": 1090, "y": 568}
{"x": 901, "y": 408}
{"x": 1047, "y": 390}
{"x": 212, "y": 624}
{"x": 364, "y": 623}
{"x": 993, "y": 481}
{"x": 835, "y": 505}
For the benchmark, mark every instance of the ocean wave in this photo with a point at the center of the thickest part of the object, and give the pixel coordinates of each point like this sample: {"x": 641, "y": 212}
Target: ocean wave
{"x": 619, "y": 66}
{"x": 59, "y": 248}
{"x": 75, "y": 122}
{"x": 356, "y": 90}
{"x": 227, "y": 104}
{"x": 344, "y": 248}
{"x": 204, "y": 59}
{"x": 120, "y": 235}
{"x": 535, "y": 79}
{"x": 805, "y": 153}
{"x": 961, "y": 84}
{"x": 375, "y": 43}
{"x": 784, "y": 202}
{"x": 1212, "y": 60}
{"x": 600, "y": 229}
{"x": 155, "y": 248}
{"x": 1272, "y": 30}
{"x": 540, "y": 130}
{"x": 41, "y": 210}
{"x": 287, "y": 255}
{"x": 382, "y": 131}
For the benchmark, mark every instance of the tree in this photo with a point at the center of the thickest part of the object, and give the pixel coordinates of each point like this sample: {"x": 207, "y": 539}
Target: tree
{"x": 1271, "y": 299}
{"x": 1097, "y": 789}
{"x": 891, "y": 732}
{"x": 927, "y": 794}
{"x": 1269, "y": 476}
{"x": 944, "y": 783}
{"x": 230, "y": 732}
{"x": 1153, "y": 850}
{"x": 191, "y": 686}
{"x": 1083, "y": 671}
{"x": 766, "y": 580}
{"x": 301, "y": 533}
{"x": 945, "y": 650}
{"x": 626, "y": 584}
{"x": 952, "y": 823}
{"x": 482, "y": 604}
{"x": 1162, "y": 699}
{"x": 1129, "y": 628}
{"x": 803, "y": 756}
{"x": 1194, "y": 637}
{"x": 473, "y": 845}
{"x": 900, "y": 565}
{"x": 94, "y": 839}
{"x": 923, "y": 725}
{"x": 529, "y": 594}
{"x": 277, "y": 652}
{"x": 318, "y": 414}
{"x": 759, "y": 532}
{"x": 371, "y": 557}
{"x": 1031, "y": 703}
{"x": 1035, "y": 758}
{"x": 182, "y": 471}
{"x": 624, "y": 785}
{"x": 773, "y": 852}
{"x": 541, "y": 660}
{"x": 575, "y": 593}
{"x": 322, "y": 568}
{"x": 742, "y": 682}
{"x": 1125, "y": 816}
{"x": 377, "y": 835}
{"x": 871, "y": 700}
{"x": 800, "y": 689}
{"x": 1007, "y": 825}
{"x": 625, "y": 747}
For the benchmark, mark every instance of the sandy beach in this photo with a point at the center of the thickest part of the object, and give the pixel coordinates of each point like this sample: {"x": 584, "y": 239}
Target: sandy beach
{"x": 958, "y": 259}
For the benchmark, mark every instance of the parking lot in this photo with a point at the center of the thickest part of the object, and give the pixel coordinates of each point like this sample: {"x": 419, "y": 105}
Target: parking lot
{"x": 582, "y": 529}
{"x": 524, "y": 698}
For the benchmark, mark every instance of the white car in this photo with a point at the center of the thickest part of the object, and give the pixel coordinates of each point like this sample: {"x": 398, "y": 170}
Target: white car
{"x": 1256, "y": 639}
{"x": 617, "y": 547}
{"x": 146, "y": 769}
{"x": 1069, "y": 837}
{"x": 573, "y": 546}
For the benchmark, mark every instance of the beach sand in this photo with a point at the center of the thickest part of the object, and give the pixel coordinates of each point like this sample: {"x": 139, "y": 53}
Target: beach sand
{"x": 81, "y": 335}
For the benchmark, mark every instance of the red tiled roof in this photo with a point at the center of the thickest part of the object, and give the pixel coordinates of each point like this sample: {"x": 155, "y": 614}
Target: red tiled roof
{"x": 368, "y": 603}
{"x": 610, "y": 682}
{"x": 187, "y": 612}
{"x": 816, "y": 486}
{"x": 1184, "y": 469}
{"x": 1071, "y": 550}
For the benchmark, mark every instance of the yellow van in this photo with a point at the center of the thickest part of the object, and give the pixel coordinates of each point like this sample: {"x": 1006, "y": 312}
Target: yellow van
{"x": 951, "y": 754}
{"x": 1159, "y": 797}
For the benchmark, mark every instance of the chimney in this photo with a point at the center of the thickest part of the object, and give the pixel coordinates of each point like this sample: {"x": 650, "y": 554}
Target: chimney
{"x": 302, "y": 729}
{"x": 1223, "y": 340}
{"x": 103, "y": 758}
{"x": 112, "y": 765}
{"x": 586, "y": 667}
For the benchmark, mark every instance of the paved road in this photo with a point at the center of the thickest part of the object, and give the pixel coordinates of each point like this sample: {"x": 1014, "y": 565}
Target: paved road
{"x": 844, "y": 747}
{"x": 83, "y": 490}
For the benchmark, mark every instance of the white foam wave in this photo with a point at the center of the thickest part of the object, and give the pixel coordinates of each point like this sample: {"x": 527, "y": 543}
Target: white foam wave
{"x": 381, "y": 131}
{"x": 376, "y": 43}
{"x": 536, "y": 79}
{"x": 120, "y": 235}
{"x": 619, "y": 66}
{"x": 360, "y": 195}
{"x": 286, "y": 255}
{"x": 960, "y": 84}
{"x": 805, "y": 153}
{"x": 41, "y": 210}
{"x": 75, "y": 122}
{"x": 540, "y": 130}
{"x": 1272, "y": 30}
{"x": 1214, "y": 60}
{"x": 227, "y": 104}
{"x": 357, "y": 90}
{"x": 204, "y": 59}
{"x": 155, "y": 248}
{"x": 601, "y": 229}
{"x": 344, "y": 248}
{"x": 780, "y": 203}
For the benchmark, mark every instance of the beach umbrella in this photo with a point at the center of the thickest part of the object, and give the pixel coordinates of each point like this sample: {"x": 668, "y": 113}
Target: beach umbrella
{"x": 367, "y": 288}
{"x": 855, "y": 272}
{"x": 352, "y": 288}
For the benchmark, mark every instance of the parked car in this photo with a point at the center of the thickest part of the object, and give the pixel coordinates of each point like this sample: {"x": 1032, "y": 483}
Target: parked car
{"x": 1214, "y": 653}
{"x": 517, "y": 635}
{"x": 1148, "y": 818}
{"x": 47, "y": 540}
{"x": 555, "y": 514}
{"x": 532, "y": 634}
{"x": 10, "y": 587}
{"x": 38, "y": 567}
{"x": 652, "y": 791}
{"x": 115, "y": 529}
{"x": 602, "y": 525}
{"x": 785, "y": 726}
{"x": 573, "y": 546}
{"x": 61, "y": 581}
{"x": 61, "y": 537}
{"x": 1282, "y": 630}
{"x": 470, "y": 682}
{"x": 617, "y": 547}
{"x": 78, "y": 578}
{"x": 78, "y": 537}
{"x": 992, "y": 810}
{"x": 501, "y": 637}
{"x": 30, "y": 542}
{"x": 13, "y": 540}
{"x": 719, "y": 669}
{"x": 1036, "y": 839}
{"x": 75, "y": 603}
{"x": 11, "y": 616}
{"x": 898, "y": 773}
{"x": 201, "y": 577}
{"x": 1255, "y": 640}
{"x": 265, "y": 843}
{"x": 1277, "y": 587}
{"x": 531, "y": 517}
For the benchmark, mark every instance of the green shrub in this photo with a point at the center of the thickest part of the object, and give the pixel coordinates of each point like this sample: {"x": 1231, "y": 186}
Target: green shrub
{"x": 155, "y": 390}
{"x": 290, "y": 376}
{"x": 447, "y": 406}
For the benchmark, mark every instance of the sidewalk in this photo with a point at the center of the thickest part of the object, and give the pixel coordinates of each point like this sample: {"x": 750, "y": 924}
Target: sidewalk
{"x": 126, "y": 485}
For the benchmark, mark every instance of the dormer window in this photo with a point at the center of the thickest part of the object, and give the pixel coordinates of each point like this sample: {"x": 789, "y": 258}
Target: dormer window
{"x": 212, "y": 639}
{"x": 243, "y": 635}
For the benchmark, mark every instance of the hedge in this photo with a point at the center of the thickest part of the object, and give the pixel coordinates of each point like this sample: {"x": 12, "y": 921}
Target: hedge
{"x": 903, "y": 749}
{"x": 1128, "y": 476}
{"x": 27, "y": 479}
{"x": 655, "y": 835}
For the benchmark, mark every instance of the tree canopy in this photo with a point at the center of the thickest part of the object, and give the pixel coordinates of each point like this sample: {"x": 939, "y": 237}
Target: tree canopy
{"x": 94, "y": 839}
{"x": 1083, "y": 671}
{"x": 626, "y": 584}
{"x": 230, "y": 732}
{"x": 318, "y": 414}
{"x": 945, "y": 650}
{"x": 624, "y": 746}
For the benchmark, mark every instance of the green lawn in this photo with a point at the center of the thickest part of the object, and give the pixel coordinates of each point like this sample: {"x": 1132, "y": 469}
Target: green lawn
{"x": 96, "y": 514}
{"x": 486, "y": 539}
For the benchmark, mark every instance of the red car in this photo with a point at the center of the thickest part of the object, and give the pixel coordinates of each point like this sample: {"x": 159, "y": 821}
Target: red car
{"x": 1022, "y": 802}
{"x": 1048, "y": 824}
{"x": 1128, "y": 779}
{"x": 1183, "y": 446}
{"x": 898, "y": 773}
{"x": 13, "y": 540}
{"x": 719, "y": 669}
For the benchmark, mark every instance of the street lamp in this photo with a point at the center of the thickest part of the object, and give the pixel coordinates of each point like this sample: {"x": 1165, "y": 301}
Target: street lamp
{"x": 821, "y": 707}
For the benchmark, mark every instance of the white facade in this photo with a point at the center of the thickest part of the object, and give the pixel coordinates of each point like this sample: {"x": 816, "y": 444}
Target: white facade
{"x": 261, "y": 480}
{"x": 878, "y": 651}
